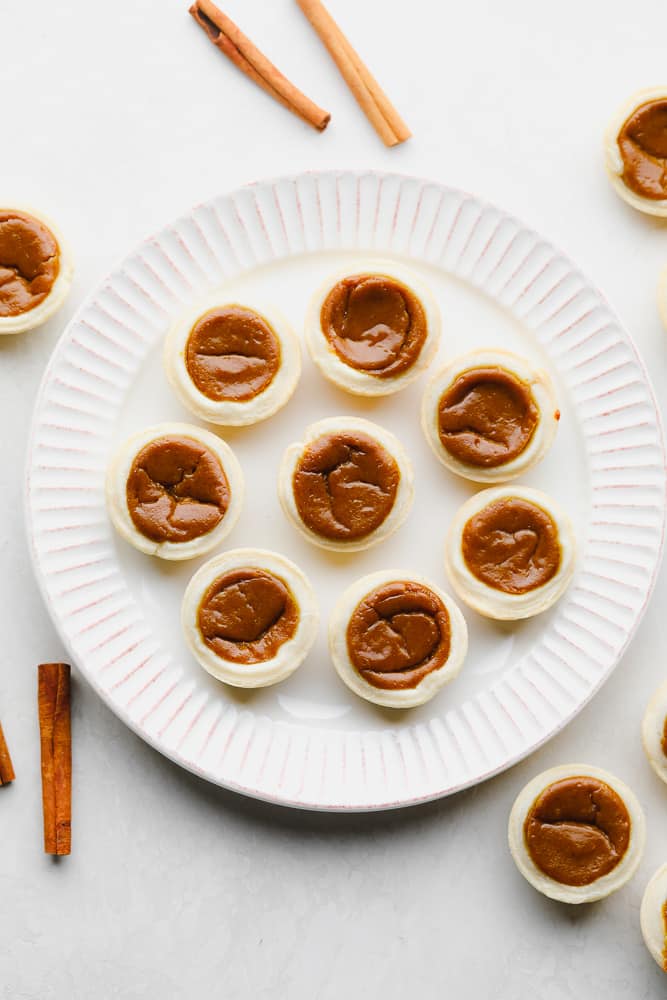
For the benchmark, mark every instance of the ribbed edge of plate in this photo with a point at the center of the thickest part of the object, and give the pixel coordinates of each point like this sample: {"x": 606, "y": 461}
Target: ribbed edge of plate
{"x": 92, "y": 369}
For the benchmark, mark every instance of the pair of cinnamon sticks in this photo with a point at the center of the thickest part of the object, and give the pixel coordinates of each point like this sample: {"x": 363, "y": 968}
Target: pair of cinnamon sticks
{"x": 53, "y": 699}
{"x": 373, "y": 101}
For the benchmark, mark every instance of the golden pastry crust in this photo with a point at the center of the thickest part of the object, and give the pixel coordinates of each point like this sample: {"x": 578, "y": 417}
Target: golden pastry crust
{"x": 606, "y": 884}
{"x": 614, "y": 160}
{"x": 28, "y": 320}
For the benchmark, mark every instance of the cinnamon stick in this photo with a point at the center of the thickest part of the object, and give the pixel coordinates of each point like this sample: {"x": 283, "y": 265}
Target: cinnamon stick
{"x": 227, "y": 37}
{"x": 56, "y": 748}
{"x": 6, "y": 767}
{"x": 368, "y": 93}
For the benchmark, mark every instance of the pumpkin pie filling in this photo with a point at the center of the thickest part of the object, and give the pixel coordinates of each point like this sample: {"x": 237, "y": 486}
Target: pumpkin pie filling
{"x": 663, "y": 741}
{"x": 512, "y": 545}
{"x": 232, "y": 354}
{"x": 487, "y": 416}
{"x": 247, "y": 614}
{"x": 29, "y": 262}
{"x": 642, "y": 142}
{"x": 345, "y": 485}
{"x": 577, "y": 830}
{"x": 398, "y": 634}
{"x": 176, "y": 490}
{"x": 374, "y": 324}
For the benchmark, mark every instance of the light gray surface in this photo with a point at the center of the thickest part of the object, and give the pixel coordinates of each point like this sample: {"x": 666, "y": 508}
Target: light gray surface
{"x": 176, "y": 888}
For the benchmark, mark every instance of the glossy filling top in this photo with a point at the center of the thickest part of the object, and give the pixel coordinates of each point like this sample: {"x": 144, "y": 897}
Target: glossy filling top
{"x": 398, "y": 634}
{"x": 247, "y": 614}
{"x": 642, "y": 142}
{"x": 374, "y": 324}
{"x": 176, "y": 490}
{"x": 345, "y": 485}
{"x": 577, "y": 830}
{"x": 487, "y": 416}
{"x": 29, "y": 262}
{"x": 512, "y": 545}
{"x": 232, "y": 354}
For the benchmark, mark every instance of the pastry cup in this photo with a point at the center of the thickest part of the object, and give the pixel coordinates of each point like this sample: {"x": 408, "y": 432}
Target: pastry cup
{"x": 602, "y": 886}
{"x": 116, "y": 492}
{"x": 432, "y": 682}
{"x": 542, "y": 391}
{"x": 653, "y": 728}
{"x": 404, "y": 495}
{"x": 59, "y": 291}
{"x": 232, "y": 413}
{"x": 346, "y": 376}
{"x": 498, "y": 604}
{"x": 652, "y": 919}
{"x": 614, "y": 160}
{"x": 291, "y": 653}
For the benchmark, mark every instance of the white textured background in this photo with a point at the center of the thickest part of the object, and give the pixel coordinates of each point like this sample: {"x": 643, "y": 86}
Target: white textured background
{"x": 114, "y": 120}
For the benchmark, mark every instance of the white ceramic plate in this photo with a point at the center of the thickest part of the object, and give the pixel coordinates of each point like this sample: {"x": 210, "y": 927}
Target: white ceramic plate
{"x": 308, "y": 742}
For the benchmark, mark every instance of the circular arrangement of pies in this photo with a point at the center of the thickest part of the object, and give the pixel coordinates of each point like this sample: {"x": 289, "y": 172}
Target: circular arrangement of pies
{"x": 249, "y": 617}
{"x": 232, "y": 364}
{"x": 374, "y": 330}
{"x": 636, "y": 151}
{"x": 653, "y": 917}
{"x": 347, "y": 485}
{"x": 510, "y": 552}
{"x": 576, "y": 833}
{"x": 174, "y": 490}
{"x": 654, "y": 732}
{"x": 35, "y": 270}
{"x": 489, "y": 415}
{"x": 396, "y": 639}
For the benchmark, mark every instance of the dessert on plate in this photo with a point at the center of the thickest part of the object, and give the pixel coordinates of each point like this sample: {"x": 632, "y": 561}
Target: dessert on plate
{"x": 347, "y": 485}
{"x": 396, "y": 639}
{"x": 35, "y": 270}
{"x": 636, "y": 151}
{"x": 232, "y": 364}
{"x": 490, "y": 415}
{"x": 510, "y": 552}
{"x": 174, "y": 490}
{"x": 373, "y": 330}
{"x": 249, "y": 617}
{"x": 576, "y": 833}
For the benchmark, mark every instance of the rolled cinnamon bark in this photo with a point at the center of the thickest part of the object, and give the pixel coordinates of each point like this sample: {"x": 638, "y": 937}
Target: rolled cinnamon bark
{"x": 56, "y": 752}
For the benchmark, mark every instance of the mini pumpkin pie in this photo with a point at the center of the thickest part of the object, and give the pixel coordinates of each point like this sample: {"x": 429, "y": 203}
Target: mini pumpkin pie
{"x": 654, "y": 732}
{"x": 249, "y": 617}
{"x": 576, "y": 833}
{"x": 232, "y": 364}
{"x": 636, "y": 151}
{"x": 510, "y": 552}
{"x": 373, "y": 330}
{"x": 347, "y": 485}
{"x": 174, "y": 490}
{"x": 396, "y": 639}
{"x": 489, "y": 415}
{"x": 35, "y": 270}
{"x": 653, "y": 917}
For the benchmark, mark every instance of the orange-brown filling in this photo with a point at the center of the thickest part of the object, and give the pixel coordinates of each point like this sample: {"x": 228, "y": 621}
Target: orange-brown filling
{"x": 29, "y": 262}
{"x": 487, "y": 416}
{"x": 247, "y": 614}
{"x": 374, "y": 324}
{"x": 176, "y": 490}
{"x": 642, "y": 142}
{"x": 398, "y": 634}
{"x": 577, "y": 830}
{"x": 345, "y": 485}
{"x": 512, "y": 545}
{"x": 232, "y": 354}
